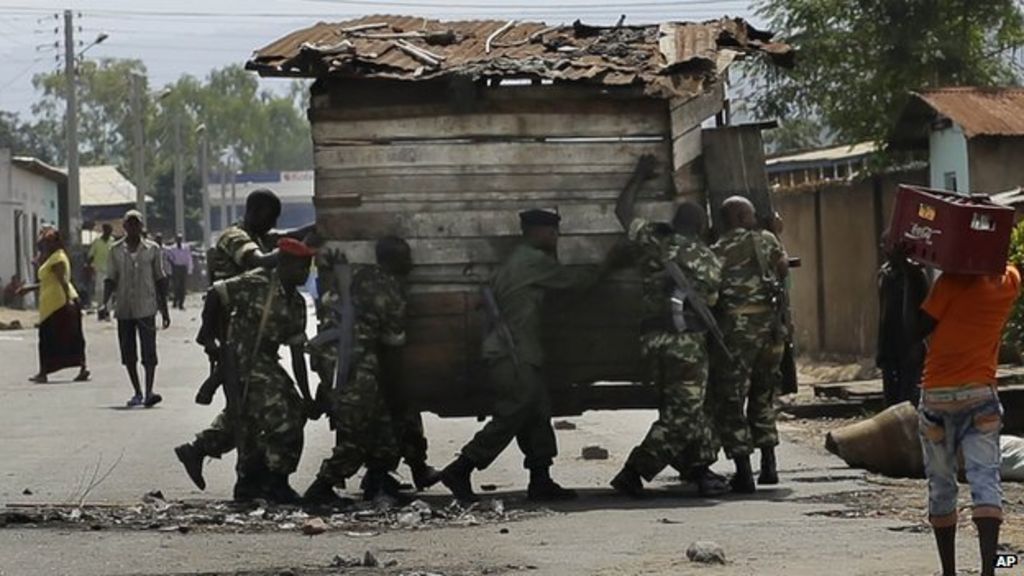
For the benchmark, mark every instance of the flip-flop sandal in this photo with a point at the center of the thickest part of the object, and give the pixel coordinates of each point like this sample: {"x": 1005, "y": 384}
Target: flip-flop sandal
{"x": 153, "y": 400}
{"x": 83, "y": 376}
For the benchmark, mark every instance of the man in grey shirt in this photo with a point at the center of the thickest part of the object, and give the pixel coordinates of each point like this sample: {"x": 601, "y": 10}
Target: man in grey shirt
{"x": 137, "y": 281}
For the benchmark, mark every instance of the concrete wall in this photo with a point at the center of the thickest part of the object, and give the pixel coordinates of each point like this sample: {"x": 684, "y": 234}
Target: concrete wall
{"x": 996, "y": 164}
{"x": 835, "y": 229}
{"x": 948, "y": 153}
{"x": 27, "y": 203}
{"x": 7, "y": 206}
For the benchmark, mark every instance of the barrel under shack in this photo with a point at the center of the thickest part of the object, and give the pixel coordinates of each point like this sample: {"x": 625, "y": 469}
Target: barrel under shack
{"x": 441, "y": 132}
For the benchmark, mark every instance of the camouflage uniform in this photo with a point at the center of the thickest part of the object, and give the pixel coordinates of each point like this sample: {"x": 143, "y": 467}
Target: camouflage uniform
{"x": 360, "y": 412}
{"x": 223, "y": 261}
{"x": 749, "y": 320}
{"x": 264, "y": 317}
{"x": 676, "y": 362}
{"x": 522, "y": 408}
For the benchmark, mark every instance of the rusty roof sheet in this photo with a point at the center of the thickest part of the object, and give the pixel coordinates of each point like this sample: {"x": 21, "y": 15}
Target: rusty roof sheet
{"x": 979, "y": 111}
{"x": 671, "y": 59}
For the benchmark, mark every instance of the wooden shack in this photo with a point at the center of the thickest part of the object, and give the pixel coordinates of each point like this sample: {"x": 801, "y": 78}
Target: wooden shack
{"x": 441, "y": 132}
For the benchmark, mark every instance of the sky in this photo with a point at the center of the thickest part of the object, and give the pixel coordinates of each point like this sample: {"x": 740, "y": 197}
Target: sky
{"x": 196, "y": 36}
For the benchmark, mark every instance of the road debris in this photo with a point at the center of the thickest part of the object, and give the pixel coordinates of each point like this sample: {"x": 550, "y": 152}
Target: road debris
{"x": 314, "y": 527}
{"x": 564, "y": 425}
{"x": 594, "y": 453}
{"x": 201, "y": 516}
{"x": 706, "y": 553}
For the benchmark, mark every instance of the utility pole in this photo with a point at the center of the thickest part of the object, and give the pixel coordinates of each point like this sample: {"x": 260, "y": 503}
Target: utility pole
{"x": 140, "y": 146}
{"x": 204, "y": 182}
{"x": 179, "y": 186}
{"x": 74, "y": 219}
{"x": 234, "y": 199}
{"x": 223, "y": 197}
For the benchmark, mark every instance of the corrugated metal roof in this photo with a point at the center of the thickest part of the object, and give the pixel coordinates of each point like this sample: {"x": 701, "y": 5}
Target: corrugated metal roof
{"x": 37, "y": 166}
{"x": 104, "y": 186}
{"x": 413, "y": 48}
{"x": 832, "y": 154}
{"x": 980, "y": 111}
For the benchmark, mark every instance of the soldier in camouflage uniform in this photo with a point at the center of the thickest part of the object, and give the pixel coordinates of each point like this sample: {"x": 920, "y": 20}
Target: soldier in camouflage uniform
{"x": 266, "y": 312}
{"x": 522, "y": 408}
{"x": 677, "y": 361}
{"x": 753, "y": 267}
{"x": 240, "y": 247}
{"x": 359, "y": 410}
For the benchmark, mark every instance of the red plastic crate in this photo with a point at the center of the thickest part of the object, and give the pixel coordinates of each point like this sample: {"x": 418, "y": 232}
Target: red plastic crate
{"x": 952, "y": 232}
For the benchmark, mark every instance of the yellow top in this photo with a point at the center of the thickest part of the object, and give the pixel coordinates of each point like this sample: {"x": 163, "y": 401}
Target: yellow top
{"x": 51, "y": 293}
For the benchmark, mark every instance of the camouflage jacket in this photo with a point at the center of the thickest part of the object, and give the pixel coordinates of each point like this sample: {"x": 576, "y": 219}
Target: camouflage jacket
{"x": 697, "y": 261}
{"x": 246, "y": 297}
{"x": 519, "y": 286}
{"x": 379, "y": 300}
{"x": 227, "y": 258}
{"x": 743, "y": 283}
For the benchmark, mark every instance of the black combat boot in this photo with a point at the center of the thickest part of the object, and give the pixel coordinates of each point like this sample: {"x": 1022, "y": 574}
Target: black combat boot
{"x": 708, "y": 483}
{"x": 373, "y": 484}
{"x": 321, "y": 493}
{"x": 279, "y": 491}
{"x": 743, "y": 481}
{"x": 247, "y": 489}
{"x": 457, "y": 477}
{"x": 543, "y": 489}
{"x": 988, "y": 541}
{"x": 769, "y": 468}
{"x": 424, "y": 476}
{"x": 192, "y": 459}
{"x": 945, "y": 540}
{"x": 629, "y": 483}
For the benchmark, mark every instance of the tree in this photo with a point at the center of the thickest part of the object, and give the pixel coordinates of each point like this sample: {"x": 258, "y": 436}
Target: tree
{"x": 23, "y": 139}
{"x": 858, "y": 60}
{"x": 268, "y": 132}
{"x": 792, "y": 135}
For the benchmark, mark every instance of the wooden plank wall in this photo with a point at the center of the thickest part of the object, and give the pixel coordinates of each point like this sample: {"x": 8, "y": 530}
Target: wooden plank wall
{"x": 448, "y": 166}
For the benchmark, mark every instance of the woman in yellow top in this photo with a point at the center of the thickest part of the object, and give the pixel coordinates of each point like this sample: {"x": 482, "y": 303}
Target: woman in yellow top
{"x": 61, "y": 342}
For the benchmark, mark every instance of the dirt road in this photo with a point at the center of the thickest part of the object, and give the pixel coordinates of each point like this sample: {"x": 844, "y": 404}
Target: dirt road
{"x": 56, "y": 436}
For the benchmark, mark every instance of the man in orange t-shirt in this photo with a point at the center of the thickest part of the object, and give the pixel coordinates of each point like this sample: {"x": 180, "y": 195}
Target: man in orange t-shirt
{"x": 960, "y": 408}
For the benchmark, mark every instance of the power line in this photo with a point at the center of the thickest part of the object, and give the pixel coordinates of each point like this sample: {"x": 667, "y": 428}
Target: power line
{"x": 624, "y": 6}
{"x": 22, "y": 73}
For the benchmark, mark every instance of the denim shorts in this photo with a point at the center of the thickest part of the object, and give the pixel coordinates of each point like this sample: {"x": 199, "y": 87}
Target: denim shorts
{"x": 973, "y": 429}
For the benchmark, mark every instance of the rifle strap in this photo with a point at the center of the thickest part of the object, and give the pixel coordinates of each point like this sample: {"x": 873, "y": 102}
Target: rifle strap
{"x": 265, "y": 314}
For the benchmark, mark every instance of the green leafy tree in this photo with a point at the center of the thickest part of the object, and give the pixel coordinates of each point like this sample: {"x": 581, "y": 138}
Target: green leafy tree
{"x": 858, "y": 60}
{"x": 23, "y": 139}
{"x": 266, "y": 131}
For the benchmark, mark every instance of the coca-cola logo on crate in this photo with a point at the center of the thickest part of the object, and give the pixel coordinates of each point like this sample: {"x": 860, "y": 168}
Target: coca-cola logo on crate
{"x": 919, "y": 233}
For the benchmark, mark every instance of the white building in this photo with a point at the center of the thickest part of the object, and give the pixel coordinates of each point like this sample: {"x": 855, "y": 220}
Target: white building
{"x": 30, "y": 199}
{"x": 295, "y": 189}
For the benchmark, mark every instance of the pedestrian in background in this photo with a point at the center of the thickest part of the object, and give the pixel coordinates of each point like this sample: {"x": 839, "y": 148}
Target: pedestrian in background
{"x": 61, "y": 342}
{"x": 180, "y": 258}
{"x": 902, "y": 288}
{"x": 136, "y": 279}
{"x": 98, "y": 258}
{"x": 960, "y": 410}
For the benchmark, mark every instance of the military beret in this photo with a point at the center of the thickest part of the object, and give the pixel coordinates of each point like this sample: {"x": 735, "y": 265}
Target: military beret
{"x": 295, "y": 248}
{"x": 538, "y": 218}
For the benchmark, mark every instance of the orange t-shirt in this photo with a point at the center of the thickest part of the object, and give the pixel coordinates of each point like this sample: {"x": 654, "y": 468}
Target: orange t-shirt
{"x": 970, "y": 312}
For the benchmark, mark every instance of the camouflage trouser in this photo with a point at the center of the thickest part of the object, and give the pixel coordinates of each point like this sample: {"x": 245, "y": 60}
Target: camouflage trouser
{"x": 365, "y": 434}
{"x": 412, "y": 442}
{"x": 750, "y": 378}
{"x": 272, "y": 420}
{"x": 218, "y": 439}
{"x": 522, "y": 411}
{"x": 678, "y": 366}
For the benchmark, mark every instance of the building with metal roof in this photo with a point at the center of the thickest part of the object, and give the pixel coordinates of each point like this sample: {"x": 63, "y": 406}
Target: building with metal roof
{"x": 974, "y": 136}
{"x": 819, "y": 165}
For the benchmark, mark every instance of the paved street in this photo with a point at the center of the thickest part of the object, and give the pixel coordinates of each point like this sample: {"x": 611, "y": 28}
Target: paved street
{"x": 56, "y": 435}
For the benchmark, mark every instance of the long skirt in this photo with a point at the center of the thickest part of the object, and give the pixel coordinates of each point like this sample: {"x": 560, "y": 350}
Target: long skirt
{"x": 61, "y": 342}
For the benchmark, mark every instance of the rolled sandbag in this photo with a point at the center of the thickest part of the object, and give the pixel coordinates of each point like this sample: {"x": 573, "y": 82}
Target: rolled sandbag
{"x": 886, "y": 444}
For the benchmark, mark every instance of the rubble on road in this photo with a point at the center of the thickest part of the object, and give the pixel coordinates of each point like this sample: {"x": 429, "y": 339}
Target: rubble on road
{"x": 706, "y": 553}
{"x": 564, "y": 425}
{"x": 594, "y": 453}
{"x": 155, "y": 513}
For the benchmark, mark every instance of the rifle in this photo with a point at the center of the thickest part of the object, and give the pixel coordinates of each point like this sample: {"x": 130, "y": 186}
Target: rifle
{"x": 343, "y": 312}
{"x": 498, "y": 322}
{"x": 214, "y": 336}
{"x": 699, "y": 306}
